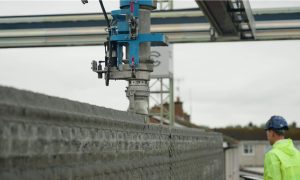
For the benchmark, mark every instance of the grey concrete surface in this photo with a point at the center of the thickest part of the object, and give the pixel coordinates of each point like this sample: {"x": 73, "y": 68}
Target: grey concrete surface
{"x": 44, "y": 137}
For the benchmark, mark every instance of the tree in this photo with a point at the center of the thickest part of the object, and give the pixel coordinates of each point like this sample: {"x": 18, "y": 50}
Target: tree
{"x": 293, "y": 125}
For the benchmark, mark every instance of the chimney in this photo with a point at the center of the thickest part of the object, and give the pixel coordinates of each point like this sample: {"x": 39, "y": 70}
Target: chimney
{"x": 178, "y": 108}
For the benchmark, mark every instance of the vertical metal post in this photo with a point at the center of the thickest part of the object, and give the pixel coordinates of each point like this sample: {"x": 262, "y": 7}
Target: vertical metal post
{"x": 161, "y": 101}
{"x": 171, "y": 99}
{"x": 166, "y": 5}
{"x": 171, "y": 5}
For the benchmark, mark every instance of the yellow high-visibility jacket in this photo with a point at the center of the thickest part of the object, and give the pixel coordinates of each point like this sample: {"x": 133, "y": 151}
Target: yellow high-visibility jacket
{"x": 282, "y": 162}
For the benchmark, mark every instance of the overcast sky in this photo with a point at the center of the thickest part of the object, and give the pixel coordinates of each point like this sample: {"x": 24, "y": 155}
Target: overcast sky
{"x": 222, "y": 83}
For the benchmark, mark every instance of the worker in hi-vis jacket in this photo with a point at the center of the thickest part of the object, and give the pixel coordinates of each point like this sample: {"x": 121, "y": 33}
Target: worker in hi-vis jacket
{"x": 282, "y": 162}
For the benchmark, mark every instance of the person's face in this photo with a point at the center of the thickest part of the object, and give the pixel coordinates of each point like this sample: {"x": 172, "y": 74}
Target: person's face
{"x": 270, "y": 136}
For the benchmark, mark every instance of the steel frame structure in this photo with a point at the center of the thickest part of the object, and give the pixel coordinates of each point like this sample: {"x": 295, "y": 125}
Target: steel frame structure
{"x": 180, "y": 26}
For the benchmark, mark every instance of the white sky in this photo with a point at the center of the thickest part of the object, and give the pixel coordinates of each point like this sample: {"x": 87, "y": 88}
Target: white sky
{"x": 30, "y": 7}
{"x": 223, "y": 83}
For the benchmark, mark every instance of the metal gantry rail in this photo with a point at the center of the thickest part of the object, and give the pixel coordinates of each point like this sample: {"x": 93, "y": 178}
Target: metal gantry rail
{"x": 231, "y": 19}
{"x": 180, "y": 26}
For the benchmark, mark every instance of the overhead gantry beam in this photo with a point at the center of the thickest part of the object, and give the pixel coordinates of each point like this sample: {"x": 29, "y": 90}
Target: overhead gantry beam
{"x": 230, "y": 19}
{"x": 181, "y": 26}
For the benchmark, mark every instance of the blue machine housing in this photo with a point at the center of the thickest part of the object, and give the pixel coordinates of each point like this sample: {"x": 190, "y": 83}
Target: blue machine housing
{"x": 147, "y": 3}
{"x": 121, "y": 34}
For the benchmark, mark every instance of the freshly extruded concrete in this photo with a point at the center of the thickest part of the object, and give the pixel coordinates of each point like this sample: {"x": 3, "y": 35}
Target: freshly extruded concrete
{"x": 43, "y": 137}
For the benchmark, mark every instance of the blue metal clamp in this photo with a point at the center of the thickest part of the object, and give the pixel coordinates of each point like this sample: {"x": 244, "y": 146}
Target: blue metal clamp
{"x": 125, "y": 32}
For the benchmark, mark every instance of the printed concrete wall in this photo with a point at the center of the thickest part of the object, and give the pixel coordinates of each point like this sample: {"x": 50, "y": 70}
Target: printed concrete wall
{"x": 43, "y": 137}
{"x": 232, "y": 169}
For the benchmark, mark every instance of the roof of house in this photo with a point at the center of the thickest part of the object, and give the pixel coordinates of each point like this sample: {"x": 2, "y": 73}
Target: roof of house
{"x": 180, "y": 121}
{"x": 255, "y": 133}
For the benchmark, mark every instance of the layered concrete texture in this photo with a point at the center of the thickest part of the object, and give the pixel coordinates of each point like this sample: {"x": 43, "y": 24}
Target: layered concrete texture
{"x": 44, "y": 137}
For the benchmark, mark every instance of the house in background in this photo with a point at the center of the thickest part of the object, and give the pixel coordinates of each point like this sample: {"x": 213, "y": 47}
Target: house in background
{"x": 182, "y": 118}
{"x": 253, "y": 143}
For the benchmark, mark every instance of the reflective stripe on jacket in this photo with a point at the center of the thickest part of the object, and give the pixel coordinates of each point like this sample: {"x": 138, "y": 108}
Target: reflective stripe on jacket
{"x": 282, "y": 162}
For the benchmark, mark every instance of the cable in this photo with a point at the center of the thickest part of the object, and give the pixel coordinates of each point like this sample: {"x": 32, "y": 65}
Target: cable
{"x": 105, "y": 14}
{"x": 109, "y": 44}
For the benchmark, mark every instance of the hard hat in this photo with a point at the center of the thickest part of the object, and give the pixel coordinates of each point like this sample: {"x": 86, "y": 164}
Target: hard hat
{"x": 276, "y": 123}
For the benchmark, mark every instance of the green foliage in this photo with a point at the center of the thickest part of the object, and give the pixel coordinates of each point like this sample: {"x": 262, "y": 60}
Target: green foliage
{"x": 293, "y": 125}
{"x": 250, "y": 125}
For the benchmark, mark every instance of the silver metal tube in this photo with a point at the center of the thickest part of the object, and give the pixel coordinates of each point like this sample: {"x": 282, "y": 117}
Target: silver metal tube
{"x": 138, "y": 90}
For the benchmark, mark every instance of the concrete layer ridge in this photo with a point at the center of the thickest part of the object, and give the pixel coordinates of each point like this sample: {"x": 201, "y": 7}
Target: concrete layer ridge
{"x": 40, "y": 101}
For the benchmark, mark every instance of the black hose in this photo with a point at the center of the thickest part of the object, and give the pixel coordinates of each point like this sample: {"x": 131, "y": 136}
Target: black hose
{"x": 109, "y": 44}
{"x": 105, "y": 14}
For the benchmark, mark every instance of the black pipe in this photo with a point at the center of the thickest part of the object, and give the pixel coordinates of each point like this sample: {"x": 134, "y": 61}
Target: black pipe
{"x": 104, "y": 12}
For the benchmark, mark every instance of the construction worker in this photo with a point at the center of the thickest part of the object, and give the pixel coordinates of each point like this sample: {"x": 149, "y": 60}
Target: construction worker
{"x": 282, "y": 162}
